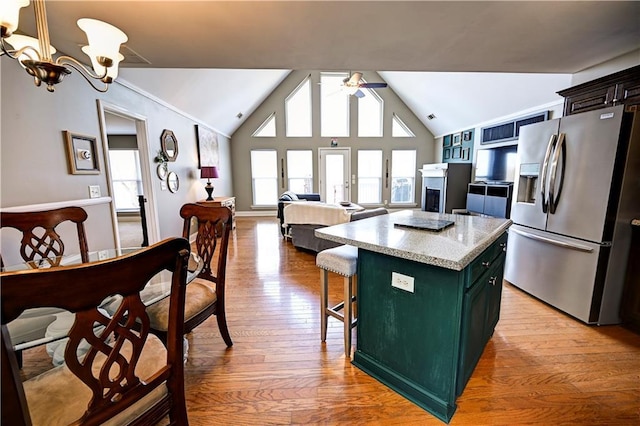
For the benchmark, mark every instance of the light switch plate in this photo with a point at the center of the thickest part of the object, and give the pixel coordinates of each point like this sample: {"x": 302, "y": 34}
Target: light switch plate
{"x": 403, "y": 282}
{"x": 163, "y": 186}
{"x": 94, "y": 191}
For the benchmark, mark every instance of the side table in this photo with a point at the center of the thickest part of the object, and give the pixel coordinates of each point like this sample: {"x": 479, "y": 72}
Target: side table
{"x": 224, "y": 202}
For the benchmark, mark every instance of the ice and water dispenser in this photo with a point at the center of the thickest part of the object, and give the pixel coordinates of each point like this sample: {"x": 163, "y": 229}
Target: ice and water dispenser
{"x": 528, "y": 183}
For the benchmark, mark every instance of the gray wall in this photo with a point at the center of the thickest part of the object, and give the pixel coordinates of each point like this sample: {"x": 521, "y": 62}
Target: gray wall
{"x": 242, "y": 142}
{"x": 34, "y": 163}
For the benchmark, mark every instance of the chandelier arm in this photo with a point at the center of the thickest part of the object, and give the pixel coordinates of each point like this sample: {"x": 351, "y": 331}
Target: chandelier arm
{"x": 15, "y": 54}
{"x": 73, "y": 62}
{"x": 85, "y": 73}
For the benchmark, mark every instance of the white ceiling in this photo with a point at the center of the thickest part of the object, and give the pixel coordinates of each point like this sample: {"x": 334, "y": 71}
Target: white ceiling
{"x": 410, "y": 43}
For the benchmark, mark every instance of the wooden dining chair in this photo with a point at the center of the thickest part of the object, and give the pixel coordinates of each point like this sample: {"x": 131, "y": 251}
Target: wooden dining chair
{"x": 127, "y": 376}
{"x": 206, "y": 293}
{"x": 41, "y": 243}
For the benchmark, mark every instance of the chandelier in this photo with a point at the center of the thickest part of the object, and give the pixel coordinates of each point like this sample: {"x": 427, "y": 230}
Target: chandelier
{"x": 35, "y": 55}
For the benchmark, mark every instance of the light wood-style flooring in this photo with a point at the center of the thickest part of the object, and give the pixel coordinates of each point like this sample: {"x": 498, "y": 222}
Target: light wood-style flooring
{"x": 540, "y": 367}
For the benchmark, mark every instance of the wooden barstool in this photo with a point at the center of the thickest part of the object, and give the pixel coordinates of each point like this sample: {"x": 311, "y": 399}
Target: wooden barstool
{"x": 341, "y": 260}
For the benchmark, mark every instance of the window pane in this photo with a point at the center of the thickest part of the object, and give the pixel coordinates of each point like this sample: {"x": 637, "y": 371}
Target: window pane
{"x": 399, "y": 129}
{"x": 127, "y": 181}
{"x": 298, "y": 111}
{"x": 267, "y": 129}
{"x": 300, "y": 171}
{"x": 370, "y": 108}
{"x": 403, "y": 172}
{"x": 369, "y": 176}
{"x": 264, "y": 175}
{"x": 334, "y": 105}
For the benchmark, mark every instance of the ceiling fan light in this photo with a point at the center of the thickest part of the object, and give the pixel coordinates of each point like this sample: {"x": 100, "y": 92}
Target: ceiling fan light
{"x": 104, "y": 40}
{"x": 10, "y": 15}
{"x": 18, "y": 41}
{"x": 112, "y": 71}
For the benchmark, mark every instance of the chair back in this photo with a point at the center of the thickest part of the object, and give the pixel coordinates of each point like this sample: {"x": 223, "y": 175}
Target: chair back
{"x": 40, "y": 241}
{"x": 108, "y": 371}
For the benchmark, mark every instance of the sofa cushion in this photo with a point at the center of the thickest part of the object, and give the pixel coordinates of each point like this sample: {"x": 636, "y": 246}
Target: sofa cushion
{"x": 289, "y": 196}
{"x": 368, "y": 213}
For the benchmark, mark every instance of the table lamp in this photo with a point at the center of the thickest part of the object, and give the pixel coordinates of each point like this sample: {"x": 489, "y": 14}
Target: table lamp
{"x": 209, "y": 172}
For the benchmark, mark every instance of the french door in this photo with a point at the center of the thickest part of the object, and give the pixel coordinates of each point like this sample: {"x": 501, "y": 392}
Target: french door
{"x": 335, "y": 172}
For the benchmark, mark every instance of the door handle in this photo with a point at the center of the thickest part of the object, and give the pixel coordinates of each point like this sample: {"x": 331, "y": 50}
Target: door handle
{"x": 560, "y": 149}
{"x": 545, "y": 166}
{"x": 548, "y": 240}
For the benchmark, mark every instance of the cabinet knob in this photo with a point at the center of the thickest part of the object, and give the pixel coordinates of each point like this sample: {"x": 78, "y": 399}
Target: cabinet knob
{"x": 486, "y": 264}
{"x": 493, "y": 280}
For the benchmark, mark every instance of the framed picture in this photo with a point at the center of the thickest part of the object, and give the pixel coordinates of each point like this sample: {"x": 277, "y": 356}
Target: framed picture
{"x": 446, "y": 154}
{"x": 207, "y": 147}
{"x": 465, "y": 154}
{"x": 456, "y": 139}
{"x": 81, "y": 154}
{"x": 457, "y": 152}
{"x": 446, "y": 141}
{"x": 466, "y": 136}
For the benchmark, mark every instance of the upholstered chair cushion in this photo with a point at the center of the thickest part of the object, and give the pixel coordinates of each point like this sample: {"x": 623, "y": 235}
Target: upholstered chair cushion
{"x": 200, "y": 294}
{"x": 69, "y": 399}
{"x": 342, "y": 260}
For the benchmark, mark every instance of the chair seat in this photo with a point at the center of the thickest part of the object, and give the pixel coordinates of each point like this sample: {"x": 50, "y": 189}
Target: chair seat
{"x": 57, "y": 397}
{"x": 342, "y": 260}
{"x": 200, "y": 295}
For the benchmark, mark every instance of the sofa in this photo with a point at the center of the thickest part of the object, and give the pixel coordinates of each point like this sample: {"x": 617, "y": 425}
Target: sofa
{"x": 288, "y": 197}
{"x": 303, "y": 235}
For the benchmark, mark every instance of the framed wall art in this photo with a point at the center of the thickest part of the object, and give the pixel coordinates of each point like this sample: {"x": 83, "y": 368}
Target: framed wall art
{"x": 456, "y": 153}
{"x": 207, "y": 147}
{"x": 456, "y": 139}
{"x": 81, "y": 154}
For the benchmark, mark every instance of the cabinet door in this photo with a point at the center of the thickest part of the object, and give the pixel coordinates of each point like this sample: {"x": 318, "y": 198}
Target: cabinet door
{"x": 628, "y": 93}
{"x": 589, "y": 101}
{"x": 474, "y": 317}
{"x": 494, "y": 294}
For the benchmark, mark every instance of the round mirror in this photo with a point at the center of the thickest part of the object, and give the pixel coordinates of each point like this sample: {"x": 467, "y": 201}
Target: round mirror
{"x": 172, "y": 182}
{"x": 162, "y": 171}
{"x": 169, "y": 145}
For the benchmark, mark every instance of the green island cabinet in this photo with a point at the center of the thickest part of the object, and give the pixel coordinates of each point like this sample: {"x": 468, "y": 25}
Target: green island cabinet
{"x": 424, "y": 342}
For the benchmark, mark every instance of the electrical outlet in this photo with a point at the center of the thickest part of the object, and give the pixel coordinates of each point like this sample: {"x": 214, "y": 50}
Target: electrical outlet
{"x": 403, "y": 282}
{"x": 103, "y": 254}
{"x": 94, "y": 191}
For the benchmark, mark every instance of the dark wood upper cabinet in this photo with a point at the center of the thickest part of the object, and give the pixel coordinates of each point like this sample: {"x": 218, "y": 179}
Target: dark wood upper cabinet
{"x": 620, "y": 88}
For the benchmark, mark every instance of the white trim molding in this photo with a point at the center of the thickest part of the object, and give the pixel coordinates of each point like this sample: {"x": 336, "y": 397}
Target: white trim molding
{"x": 58, "y": 204}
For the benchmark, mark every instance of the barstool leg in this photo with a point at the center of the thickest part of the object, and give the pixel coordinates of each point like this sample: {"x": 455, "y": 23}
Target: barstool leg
{"x": 324, "y": 295}
{"x": 347, "y": 316}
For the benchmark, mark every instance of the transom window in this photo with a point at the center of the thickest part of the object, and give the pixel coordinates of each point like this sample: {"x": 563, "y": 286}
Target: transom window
{"x": 399, "y": 129}
{"x": 298, "y": 110}
{"x": 267, "y": 129}
{"x": 334, "y": 105}
{"x": 370, "y": 110}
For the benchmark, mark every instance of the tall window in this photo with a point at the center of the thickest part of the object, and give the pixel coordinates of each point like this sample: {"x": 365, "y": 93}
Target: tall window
{"x": 127, "y": 179}
{"x": 370, "y": 110}
{"x": 334, "y": 105}
{"x": 403, "y": 176}
{"x": 369, "y": 176}
{"x": 300, "y": 171}
{"x": 264, "y": 177}
{"x": 298, "y": 110}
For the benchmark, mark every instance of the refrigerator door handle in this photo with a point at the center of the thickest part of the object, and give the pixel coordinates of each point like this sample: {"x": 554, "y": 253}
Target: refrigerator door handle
{"x": 553, "y": 198}
{"x": 548, "y": 240}
{"x": 545, "y": 166}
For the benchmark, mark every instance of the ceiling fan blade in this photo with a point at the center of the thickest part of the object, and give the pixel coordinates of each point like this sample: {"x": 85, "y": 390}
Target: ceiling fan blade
{"x": 359, "y": 94}
{"x": 355, "y": 79}
{"x": 373, "y": 85}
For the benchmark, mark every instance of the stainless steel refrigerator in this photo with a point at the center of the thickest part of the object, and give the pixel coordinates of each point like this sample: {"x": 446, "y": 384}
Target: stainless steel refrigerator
{"x": 576, "y": 191}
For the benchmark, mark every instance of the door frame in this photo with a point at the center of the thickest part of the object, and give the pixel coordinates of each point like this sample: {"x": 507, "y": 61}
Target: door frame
{"x": 142, "y": 138}
{"x": 347, "y": 169}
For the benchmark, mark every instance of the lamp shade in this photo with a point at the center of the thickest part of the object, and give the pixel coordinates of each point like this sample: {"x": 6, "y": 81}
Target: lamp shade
{"x": 112, "y": 71}
{"x": 208, "y": 172}
{"x": 10, "y": 14}
{"x": 104, "y": 39}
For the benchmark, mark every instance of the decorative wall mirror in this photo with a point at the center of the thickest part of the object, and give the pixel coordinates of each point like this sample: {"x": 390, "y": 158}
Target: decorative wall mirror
{"x": 172, "y": 182}
{"x": 169, "y": 145}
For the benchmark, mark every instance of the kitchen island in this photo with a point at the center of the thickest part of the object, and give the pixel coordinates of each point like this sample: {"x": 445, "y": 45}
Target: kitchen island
{"x": 428, "y": 301}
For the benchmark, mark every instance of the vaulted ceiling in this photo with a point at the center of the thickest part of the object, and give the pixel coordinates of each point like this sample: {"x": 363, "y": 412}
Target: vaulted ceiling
{"x": 214, "y": 59}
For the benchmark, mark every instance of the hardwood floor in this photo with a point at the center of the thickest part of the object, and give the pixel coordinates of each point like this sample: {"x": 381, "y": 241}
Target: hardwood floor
{"x": 540, "y": 367}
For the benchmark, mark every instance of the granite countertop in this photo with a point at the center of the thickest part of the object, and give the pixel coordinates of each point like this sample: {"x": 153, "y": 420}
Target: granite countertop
{"x": 452, "y": 248}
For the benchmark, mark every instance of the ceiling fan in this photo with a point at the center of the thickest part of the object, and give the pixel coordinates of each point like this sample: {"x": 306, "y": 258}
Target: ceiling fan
{"x": 353, "y": 84}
